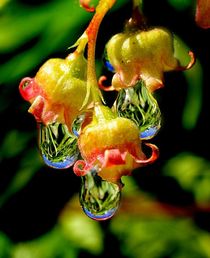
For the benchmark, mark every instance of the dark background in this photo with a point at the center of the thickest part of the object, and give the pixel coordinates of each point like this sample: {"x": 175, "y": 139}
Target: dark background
{"x": 32, "y": 200}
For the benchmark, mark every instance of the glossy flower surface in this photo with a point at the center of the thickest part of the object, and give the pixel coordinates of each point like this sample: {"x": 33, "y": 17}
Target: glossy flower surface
{"x": 112, "y": 145}
{"x": 141, "y": 54}
{"x": 57, "y": 91}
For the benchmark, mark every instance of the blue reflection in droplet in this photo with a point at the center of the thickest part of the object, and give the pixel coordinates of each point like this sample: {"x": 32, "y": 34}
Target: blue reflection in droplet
{"x": 66, "y": 163}
{"x": 77, "y": 125}
{"x": 75, "y": 132}
{"x": 109, "y": 66}
{"x": 149, "y": 133}
{"x": 107, "y": 215}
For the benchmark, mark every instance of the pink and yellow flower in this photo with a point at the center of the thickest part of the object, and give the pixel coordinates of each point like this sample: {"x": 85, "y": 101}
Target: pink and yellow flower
{"x": 112, "y": 145}
{"x": 58, "y": 90}
{"x": 142, "y": 55}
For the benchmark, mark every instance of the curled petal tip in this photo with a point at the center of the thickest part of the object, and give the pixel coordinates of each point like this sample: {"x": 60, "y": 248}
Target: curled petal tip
{"x": 25, "y": 88}
{"x": 190, "y": 64}
{"x": 24, "y": 82}
{"x": 102, "y": 87}
{"x": 153, "y": 157}
{"x": 85, "y": 5}
{"x": 79, "y": 168}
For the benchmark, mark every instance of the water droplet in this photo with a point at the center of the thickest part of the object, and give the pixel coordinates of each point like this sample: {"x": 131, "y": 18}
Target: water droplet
{"x": 77, "y": 125}
{"x": 139, "y": 105}
{"x": 109, "y": 66}
{"x": 57, "y": 146}
{"x": 149, "y": 133}
{"x": 99, "y": 199}
{"x": 107, "y": 63}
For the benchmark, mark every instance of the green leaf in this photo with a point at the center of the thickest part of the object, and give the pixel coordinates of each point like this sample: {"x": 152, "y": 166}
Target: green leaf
{"x": 29, "y": 165}
{"x": 181, "y": 5}
{"x": 14, "y": 143}
{"x": 17, "y": 26}
{"x": 54, "y": 23}
{"x": 5, "y": 246}
{"x": 50, "y": 245}
{"x": 159, "y": 237}
{"x": 192, "y": 173}
{"x": 82, "y": 231}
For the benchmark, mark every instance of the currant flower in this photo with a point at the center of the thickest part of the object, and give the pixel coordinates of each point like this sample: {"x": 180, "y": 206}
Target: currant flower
{"x": 56, "y": 94}
{"x": 72, "y": 119}
{"x": 112, "y": 145}
{"x": 138, "y": 54}
{"x": 58, "y": 90}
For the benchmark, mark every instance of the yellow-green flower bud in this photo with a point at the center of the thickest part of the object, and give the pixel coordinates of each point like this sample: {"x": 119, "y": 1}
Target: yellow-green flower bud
{"x": 139, "y": 54}
{"x": 58, "y": 90}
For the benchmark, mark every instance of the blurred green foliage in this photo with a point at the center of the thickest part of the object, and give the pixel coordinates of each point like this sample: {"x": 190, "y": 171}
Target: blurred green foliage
{"x": 52, "y": 23}
{"x": 30, "y": 33}
{"x": 181, "y": 4}
{"x": 154, "y": 238}
{"x": 193, "y": 174}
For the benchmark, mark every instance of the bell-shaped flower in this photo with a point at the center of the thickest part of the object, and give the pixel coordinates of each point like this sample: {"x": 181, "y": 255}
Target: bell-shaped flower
{"x": 58, "y": 90}
{"x": 141, "y": 55}
{"x": 112, "y": 145}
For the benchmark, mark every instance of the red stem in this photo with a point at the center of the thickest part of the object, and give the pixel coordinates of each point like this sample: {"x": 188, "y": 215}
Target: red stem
{"x": 92, "y": 32}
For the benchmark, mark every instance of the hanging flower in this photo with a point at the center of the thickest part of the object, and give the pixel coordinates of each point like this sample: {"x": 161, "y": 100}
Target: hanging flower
{"x": 141, "y": 55}
{"x": 112, "y": 145}
{"x": 58, "y": 90}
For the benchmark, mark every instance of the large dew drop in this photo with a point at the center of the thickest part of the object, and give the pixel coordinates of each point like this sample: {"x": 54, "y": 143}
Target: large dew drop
{"x": 99, "y": 199}
{"x": 139, "y": 105}
{"x": 57, "y": 146}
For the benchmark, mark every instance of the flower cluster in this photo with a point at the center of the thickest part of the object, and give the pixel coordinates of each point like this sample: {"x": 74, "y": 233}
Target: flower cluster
{"x": 77, "y": 129}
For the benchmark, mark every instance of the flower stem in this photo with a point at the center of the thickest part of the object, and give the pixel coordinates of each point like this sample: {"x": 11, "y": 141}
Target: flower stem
{"x": 137, "y": 21}
{"x": 137, "y": 4}
{"x": 92, "y": 32}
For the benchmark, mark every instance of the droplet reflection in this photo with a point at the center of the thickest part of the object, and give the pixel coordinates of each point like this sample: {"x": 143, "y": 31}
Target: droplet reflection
{"x": 77, "y": 125}
{"x": 149, "y": 133}
{"x": 109, "y": 66}
{"x": 107, "y": 63}
{"x": 139, "y": 105}
{"x": 57, "y": 146}
{"x": 99, "y": 199}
